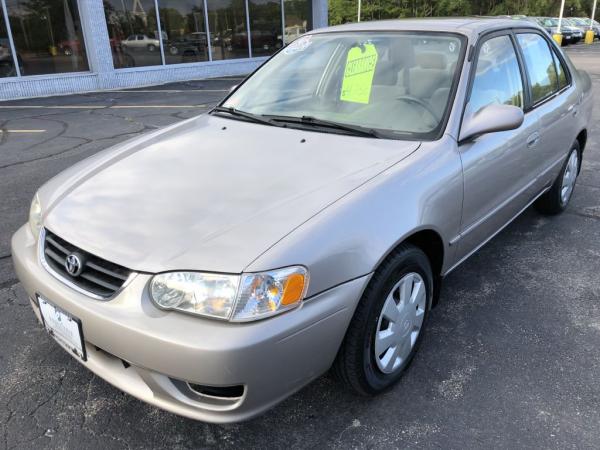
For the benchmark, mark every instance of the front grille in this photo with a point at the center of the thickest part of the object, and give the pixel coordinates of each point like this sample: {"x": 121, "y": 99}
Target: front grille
{"x": 98, "y": 277}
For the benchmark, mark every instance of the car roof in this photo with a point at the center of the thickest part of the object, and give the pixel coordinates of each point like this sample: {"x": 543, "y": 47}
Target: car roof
{"x": 469, "y": 26}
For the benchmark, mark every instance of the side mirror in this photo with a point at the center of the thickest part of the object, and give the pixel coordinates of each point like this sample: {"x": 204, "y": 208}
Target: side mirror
{"x": 490, "y": 119}
{"x": 233, "y": 88}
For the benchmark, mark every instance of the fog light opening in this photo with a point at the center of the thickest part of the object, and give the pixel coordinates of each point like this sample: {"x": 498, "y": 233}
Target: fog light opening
{"x": 229, "y": 392}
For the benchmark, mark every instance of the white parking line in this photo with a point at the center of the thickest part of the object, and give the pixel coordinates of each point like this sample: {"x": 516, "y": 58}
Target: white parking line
{"x": 22, "y": 131}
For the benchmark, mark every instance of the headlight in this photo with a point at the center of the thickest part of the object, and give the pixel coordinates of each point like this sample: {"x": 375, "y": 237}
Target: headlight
{"x": 268, "y": 293}
{"x": 35, "y": 216}
{"x": 247, "y": 297}
{"x": 204, "y": 294}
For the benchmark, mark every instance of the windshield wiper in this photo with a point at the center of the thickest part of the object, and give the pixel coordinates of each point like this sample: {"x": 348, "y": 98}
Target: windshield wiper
{"x": 314, "y": 121}
{"x": 246, "y": 115}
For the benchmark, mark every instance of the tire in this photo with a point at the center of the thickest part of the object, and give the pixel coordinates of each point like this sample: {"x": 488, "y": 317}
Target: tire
{"x": 151, "y": 47}
{"x": 555, "y": 201}
{"x": 357, "y": 365}
{"x": 173, "y": 50}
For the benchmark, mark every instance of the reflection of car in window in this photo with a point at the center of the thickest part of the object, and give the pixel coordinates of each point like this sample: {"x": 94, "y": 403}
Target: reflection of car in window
{"x": 7, "y": 68}
{"x": 293, "y": 32}
{"x": 140, "y": 42}
{"x": 192, "y": 44}
{"x": 261, "y": 39}
{"x": 69, "y": 47}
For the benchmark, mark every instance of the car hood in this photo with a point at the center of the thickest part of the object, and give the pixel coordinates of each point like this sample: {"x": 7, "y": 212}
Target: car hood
{"x": 209, "y": 193}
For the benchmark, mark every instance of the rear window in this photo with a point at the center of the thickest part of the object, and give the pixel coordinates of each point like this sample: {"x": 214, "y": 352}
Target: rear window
{"x": 540, "y": 65}
{"x": 561, "y": 72}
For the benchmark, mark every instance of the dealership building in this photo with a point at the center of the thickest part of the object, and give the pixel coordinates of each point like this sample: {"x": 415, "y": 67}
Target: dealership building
{"x": 50, "y": 47}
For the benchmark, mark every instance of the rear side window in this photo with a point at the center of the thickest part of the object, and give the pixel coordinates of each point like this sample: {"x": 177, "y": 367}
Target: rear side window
{"x": 540, "y": 66}
{"x": 497, "y": 77}
{"x": 561, "y": 72}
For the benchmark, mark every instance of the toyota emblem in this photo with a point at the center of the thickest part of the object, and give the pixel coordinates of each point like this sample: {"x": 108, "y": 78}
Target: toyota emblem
{"x": 73, "y": 265}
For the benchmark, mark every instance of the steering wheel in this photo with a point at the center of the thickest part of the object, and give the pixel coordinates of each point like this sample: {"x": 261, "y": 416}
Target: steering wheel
{"x": 423, "y": 104}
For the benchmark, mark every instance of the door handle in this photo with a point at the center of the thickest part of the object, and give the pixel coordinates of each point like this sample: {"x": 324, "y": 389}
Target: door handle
{"x": 573, "y": 109}
{"x": 533, "y": 139}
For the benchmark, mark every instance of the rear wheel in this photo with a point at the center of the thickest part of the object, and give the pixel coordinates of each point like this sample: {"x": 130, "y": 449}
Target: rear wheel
{"x": 388, "y": 324}
{"x": 557, "y": 198}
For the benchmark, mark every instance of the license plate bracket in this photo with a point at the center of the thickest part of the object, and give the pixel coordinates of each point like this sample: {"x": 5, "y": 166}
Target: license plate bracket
{"x": 65, "y": 328}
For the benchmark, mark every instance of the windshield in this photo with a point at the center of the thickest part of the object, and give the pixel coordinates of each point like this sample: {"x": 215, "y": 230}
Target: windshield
{"x": 397, "y": 83}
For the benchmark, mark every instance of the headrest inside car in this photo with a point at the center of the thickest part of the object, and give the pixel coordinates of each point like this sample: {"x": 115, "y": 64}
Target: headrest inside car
{"x": 431, "y": 60}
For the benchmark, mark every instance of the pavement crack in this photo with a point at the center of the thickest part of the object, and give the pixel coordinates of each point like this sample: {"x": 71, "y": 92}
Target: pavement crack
{"x": 8, "y": 283}
{"x": 53, "y": 395}
{"x": 44, "y": 157}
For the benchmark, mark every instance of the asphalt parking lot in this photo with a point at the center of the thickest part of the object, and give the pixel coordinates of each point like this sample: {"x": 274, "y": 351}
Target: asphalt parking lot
{"x": 511, "y": 358}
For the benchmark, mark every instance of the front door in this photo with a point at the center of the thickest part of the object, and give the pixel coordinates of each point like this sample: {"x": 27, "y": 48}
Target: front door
{"x": 496, "y": 167}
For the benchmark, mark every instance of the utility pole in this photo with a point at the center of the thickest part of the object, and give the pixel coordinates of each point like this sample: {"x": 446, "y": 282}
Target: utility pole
{"x": 558, "y": 36}
{"x": 590, "y": 34}
{"x": 359, "y": 5}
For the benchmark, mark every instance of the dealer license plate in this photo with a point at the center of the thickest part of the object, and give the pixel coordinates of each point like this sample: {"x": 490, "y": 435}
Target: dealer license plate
{"x": 65, "y": 328}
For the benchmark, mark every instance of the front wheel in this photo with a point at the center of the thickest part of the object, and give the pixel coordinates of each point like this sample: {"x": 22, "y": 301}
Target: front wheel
{"x": 388, "y": 323}
{"x": 557, "y": 198}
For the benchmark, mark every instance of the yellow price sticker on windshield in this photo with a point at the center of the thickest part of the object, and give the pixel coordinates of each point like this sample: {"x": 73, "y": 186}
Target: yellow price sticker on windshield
{"x": 358, "y": 75}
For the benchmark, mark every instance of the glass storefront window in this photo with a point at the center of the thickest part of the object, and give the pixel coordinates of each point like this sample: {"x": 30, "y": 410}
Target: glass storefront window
{"x": 133, "y": 32}
{"x": 182, "y": 22}
{"x": 47, "y": 36}
{"x": 296, "y": 19}
{"x": 228, "y": 30}
{"x": 7, "y": 65}
{"x": 134, "y": 35}
{"x": 265, "y": 26}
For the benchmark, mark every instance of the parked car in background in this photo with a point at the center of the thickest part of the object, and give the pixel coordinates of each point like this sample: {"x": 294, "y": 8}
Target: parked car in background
{"x": 215, "y": 266}
{"x": 138, "y": 42}
{"x": 584, "y": 24}
{"x": 578, "y": 32}
{"x": 551, "y": 26}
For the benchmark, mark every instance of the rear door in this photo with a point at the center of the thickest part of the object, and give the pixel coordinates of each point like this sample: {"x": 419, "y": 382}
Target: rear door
{"x": 554, "y": 98}
{"x": 497, "y": 168}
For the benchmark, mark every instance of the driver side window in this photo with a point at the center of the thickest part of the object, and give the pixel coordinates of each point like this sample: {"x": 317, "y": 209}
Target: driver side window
{"x": 497, "y": 76}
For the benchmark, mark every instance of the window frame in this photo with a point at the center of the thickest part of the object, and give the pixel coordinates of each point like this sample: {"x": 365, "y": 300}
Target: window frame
{"x": 512, "y": 33}
{"x": 474, "y": 57}
{"x": 531, "y": 105}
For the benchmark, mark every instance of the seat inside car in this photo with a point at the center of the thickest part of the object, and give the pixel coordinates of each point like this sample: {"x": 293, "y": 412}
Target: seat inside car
{"x": 429, "y": 73}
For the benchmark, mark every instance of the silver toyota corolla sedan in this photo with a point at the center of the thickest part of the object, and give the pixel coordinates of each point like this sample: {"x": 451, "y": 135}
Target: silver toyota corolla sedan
{"x": 216, "y": 266}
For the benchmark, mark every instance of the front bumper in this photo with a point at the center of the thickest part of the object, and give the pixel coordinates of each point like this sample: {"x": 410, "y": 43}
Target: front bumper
{"x": 151, "y": 354}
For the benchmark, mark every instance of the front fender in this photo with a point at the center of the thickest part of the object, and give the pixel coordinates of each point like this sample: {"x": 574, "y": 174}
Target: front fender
{"x": 352, "y": 237}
